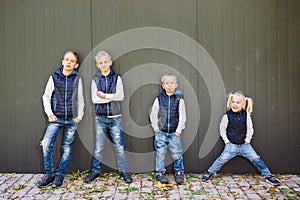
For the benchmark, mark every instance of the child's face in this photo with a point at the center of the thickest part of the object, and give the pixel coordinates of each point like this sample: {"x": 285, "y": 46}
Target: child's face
{"x": 237, "y": 103}
{"x": 169, "y": 84}
{"x": 104, "y": 63}
{"x": 69, "y": 62}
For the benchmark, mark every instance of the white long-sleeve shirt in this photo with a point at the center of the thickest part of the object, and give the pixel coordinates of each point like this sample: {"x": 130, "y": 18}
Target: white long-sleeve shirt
{"x": 223, "y": 127}
{"x": 48, "y": 95}
{"x": 117, "y": 96}
{"x": 154, "y": 116}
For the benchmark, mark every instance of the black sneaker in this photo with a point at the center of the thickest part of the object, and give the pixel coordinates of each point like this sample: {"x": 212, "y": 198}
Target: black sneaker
{"x": 207, "y": 175}
{"x": 162, "y": 178}
{"x": 179, "y": 177}
{"x": 272, "y": 179}
{"x": 46, "y": 180}
{"x": 92, "y": 176}
{"x": 126, "y": 176}
{"x": 58, "y": 180}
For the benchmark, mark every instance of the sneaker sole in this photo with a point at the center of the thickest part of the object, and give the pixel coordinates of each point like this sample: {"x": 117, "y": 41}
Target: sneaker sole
{"x": 56, "y": 186}
{"x": 43, "y": 186}
{"x": 275, "y": 184}
{"x": 207, "y": 179}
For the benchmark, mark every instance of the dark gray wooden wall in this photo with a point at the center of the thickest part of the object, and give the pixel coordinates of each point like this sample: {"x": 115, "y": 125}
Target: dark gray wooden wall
{"x": 255, "y": 45}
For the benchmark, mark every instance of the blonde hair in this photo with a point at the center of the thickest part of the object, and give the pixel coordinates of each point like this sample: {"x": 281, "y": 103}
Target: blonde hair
{"x": 168, "y": 75}
{"x": 247, "y": 101}
{"x": 102, "y": 54}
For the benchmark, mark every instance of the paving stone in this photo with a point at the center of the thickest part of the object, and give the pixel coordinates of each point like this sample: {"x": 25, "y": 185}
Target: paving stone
{"x": 290, "y": 183}
{"x": 228, "y": 179}
{"x": 226, "y": 195}
{"x": 144, "y": 186}
{"x": 146, "y": 190}
{"x": 253, "y": 196}
{"x": 120, "y": 196}
{"x": 296, "y": 179}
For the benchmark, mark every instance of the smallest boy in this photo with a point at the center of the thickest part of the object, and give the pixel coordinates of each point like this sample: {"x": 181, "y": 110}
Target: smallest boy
{"x": 168, "y": 120}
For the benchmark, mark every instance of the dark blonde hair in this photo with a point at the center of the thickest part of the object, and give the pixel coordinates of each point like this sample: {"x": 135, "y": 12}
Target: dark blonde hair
{"x": 247, "y": 101}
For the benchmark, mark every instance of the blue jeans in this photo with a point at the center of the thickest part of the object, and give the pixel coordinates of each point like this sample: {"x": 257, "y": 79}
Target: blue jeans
{"x": 161, "y": 142}
{"x": 102, "y": 126}
{"x": 246, "y": 150}
{"x": 53, "y": 129}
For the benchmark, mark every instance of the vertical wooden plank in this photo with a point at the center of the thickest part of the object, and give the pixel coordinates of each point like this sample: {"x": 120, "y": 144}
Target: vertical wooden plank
{"x": 294, "y": 72}
{"x": 228, "y": 43}
{"x": 250, "y": 48}
{"x": 217, "y": 32}
{"x": 283, "y": 81}
{"x": 239, "y": 43}
{"x": 260, "y": 115}
{"x": 11, "y": 96}
{"x": 3, "y": 85}
{"x": 272, "y": 80}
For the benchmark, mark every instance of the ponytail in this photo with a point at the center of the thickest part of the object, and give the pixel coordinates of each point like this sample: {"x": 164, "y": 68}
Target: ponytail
{"x": 249, "y": 105}
{"x": 229, "y": 97}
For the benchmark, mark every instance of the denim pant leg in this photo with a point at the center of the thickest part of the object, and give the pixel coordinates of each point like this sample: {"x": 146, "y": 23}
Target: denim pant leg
{"x": 47, "y": 144}
{"x": 229, "y": 152}
{"x": 101, "y": 129}
{"x": 176, "y": 152}
{"x": 248, "y": 152}
{"x": 160, "y": 144}
{"x": 115, "y": 129}
{"x": 70, "y": 130}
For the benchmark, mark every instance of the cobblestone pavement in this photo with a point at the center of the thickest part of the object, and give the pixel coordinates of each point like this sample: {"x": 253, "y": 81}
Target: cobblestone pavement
{"x": 145, "y": 186}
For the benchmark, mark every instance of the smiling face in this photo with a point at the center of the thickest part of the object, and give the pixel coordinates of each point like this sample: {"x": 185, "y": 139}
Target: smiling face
{"x": 169, "y": 84}
{"x": 237, "y": 103}
{"x": 104, "y": 63}
{"x": 69, "y": 63}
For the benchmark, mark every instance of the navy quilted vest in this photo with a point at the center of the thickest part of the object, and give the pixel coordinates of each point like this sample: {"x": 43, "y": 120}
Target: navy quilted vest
{"x": 168, "y": 115}
{"x": 64, "y": 99}
{"x": 237, "y": 126}
{"x": 108, "y": 85}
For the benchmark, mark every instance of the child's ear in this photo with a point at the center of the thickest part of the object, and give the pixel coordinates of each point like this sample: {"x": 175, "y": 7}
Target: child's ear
{"x": 76, "y": 66}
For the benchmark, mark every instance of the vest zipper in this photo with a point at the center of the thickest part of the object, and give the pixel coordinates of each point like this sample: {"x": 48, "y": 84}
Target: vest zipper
{"x": 66, "y": 95}
{"x": 107, "y": 104}
{"x": 169, "y": 107}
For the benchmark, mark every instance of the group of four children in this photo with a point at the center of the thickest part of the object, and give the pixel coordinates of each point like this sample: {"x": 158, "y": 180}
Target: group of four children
{"x": 63, "y": 103}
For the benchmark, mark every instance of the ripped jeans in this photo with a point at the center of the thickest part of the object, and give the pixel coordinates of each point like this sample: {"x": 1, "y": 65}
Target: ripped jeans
{"x": 113, "y": 125}
{"x": 163, "y": 140}
{"x": 53, "y": 129}
{"x": 246, "y": 150}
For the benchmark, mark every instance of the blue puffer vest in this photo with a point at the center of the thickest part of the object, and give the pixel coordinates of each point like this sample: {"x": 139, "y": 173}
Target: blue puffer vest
{"x": 168, "y": 115}
{"x": 237, "y": 126}
{"x": 108, "y": 85}
{"x": 64, "y": 99}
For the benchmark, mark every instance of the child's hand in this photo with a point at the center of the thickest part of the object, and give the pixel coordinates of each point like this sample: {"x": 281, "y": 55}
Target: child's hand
{"x": 247, "y": 141}
{"x": 101, "y": 94}
{"x": 52, "y": 118}
{"x": 156, "y": 131}
{"x": 177, "y": 134}
{"x": 76, "y": 120}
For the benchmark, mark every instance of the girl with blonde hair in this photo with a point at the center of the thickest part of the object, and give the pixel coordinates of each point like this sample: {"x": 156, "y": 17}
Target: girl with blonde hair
{"x": 236, "y": 130}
